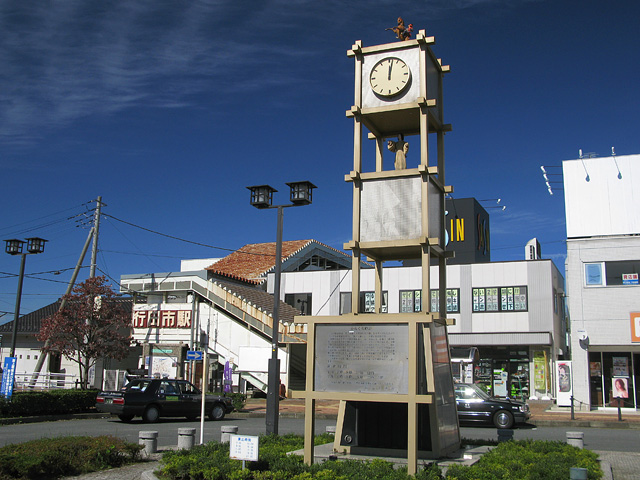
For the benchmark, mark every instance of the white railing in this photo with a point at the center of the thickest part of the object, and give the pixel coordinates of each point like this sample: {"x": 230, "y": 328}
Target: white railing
{"x": 45, "y": 381}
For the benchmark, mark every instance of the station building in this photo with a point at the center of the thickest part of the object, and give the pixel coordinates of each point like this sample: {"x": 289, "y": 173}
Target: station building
{"x": 509, "y": 316}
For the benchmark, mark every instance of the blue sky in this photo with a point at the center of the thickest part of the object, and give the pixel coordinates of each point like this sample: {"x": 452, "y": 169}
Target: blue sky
{"x": 169, "y": 109}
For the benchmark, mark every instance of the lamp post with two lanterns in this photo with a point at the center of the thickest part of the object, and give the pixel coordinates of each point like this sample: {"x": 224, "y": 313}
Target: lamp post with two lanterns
{"x": 14, "y": 246}
{"x": 262, "y": 198}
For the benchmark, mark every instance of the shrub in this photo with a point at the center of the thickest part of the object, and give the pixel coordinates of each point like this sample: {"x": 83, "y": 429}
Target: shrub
{"x": 239, "y": 400}
{"x": 529, "y": 460}
{"x": 63, "y": 456}
{"x": 52, "y": 402}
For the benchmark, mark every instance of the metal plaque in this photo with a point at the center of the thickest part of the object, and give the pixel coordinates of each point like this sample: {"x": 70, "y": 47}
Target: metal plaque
{"x": 363, "y": 358}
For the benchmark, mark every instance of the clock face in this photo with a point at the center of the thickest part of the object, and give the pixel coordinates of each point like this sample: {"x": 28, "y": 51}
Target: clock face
{"x": 389, "y": 77}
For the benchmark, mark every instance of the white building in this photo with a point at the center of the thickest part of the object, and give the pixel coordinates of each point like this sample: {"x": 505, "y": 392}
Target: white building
{"x": 602, "y": 202}
{"x": 512, "y": 312}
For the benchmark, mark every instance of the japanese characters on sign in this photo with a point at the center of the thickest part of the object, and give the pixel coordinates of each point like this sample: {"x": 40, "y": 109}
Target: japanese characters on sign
{"x": 8, "y": 376}
{"x": 162, "y": 318}
{"x": 243, "y": 447}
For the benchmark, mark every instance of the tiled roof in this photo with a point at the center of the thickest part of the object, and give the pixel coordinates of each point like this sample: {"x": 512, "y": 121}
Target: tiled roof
{"x": 30, "y": 323}
{"x": 252, "y": 262}
{"x": 261, "y": 299}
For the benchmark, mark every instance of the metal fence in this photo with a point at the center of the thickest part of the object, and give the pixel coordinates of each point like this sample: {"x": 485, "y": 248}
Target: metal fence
{"x": 46, "y": 381}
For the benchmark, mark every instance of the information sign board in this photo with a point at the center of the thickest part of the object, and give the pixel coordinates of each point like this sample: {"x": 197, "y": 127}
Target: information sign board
{"x": 365, "y": 358}
{"x": 243, "y": 447}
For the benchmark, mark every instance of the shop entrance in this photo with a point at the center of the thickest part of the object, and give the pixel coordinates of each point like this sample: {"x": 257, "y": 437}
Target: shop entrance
{"x": 612, "y": 378}
{"x": 503, "y": 371}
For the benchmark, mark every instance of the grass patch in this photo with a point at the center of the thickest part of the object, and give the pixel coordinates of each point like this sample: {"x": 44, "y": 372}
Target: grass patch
{"x": 50, "y": 458}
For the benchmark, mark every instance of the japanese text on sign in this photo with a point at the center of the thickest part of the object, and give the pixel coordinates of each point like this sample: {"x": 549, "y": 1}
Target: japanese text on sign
{"x": 243, "y": 447}
{"x": 162, "y": 318}
{"x": 362, "y": 358}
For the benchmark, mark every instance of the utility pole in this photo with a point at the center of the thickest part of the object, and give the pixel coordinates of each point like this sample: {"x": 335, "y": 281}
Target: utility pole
{"x": 93, "y": 233}
{"x": 96, "y": 229}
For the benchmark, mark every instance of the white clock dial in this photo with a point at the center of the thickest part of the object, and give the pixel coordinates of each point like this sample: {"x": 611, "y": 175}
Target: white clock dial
{"x": 389, "y": 77}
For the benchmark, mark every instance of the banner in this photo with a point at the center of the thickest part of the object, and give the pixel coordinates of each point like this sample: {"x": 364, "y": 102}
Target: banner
{"x": 564, "y": 383}
{"x": 8, "y": 376}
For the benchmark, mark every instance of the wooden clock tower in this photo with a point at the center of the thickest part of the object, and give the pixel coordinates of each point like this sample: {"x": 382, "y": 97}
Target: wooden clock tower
{"x": 391, "y": 371}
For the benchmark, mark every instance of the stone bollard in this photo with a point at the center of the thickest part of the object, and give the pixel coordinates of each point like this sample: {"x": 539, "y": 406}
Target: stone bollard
{"x": 150, "y": 442}
{"x": 226, "y": 431}
{"x": 331, "y": 429}
{"x": 576, "y": 473}
{"x": 505, "y": 434}
{"x": 576, "y": 439}
{"x": 186, "y": 438}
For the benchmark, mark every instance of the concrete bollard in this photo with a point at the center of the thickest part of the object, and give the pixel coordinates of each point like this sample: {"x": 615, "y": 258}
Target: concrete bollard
{"x": 576, "y": 473}
{"x": 505, "y": 434}
{"x": 186, "y": 438}
{"x": 331, "y": 429}
{"x": 149, "y": 440}
{"x": 226, "y": 431}
{"x": 576, "y": 439}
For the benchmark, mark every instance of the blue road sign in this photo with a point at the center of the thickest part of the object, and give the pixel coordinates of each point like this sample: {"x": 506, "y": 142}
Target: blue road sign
{"x": 194, "y": 355}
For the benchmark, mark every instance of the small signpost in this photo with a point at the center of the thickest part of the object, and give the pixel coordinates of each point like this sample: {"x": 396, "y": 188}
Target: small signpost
{"x": 243, "y": 447}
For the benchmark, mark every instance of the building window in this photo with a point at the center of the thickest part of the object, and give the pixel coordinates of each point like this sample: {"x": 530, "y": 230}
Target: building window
{"x": 612, "y": 274}
{"x": 345, "y": 303}
{"x": 500, "y": 299}
{"x": 453, "y": 300}
{"x": 367, "y": 302}
{"x": 410, "y": 301}
{"x": 593, "y": 273}
{"x": 301, "y": 301}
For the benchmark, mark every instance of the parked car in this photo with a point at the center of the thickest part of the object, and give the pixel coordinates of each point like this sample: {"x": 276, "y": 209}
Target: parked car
{"x": 152, "y": 398}
{"x": 477, "y": 407}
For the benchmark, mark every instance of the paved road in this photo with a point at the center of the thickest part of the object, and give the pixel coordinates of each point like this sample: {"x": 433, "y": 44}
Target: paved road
{"x": 602, "y": 439}
{"x": 167, "y": 429}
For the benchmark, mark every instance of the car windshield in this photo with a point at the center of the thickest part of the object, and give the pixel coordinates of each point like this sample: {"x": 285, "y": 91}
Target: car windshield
{"x": 470, "y": 392}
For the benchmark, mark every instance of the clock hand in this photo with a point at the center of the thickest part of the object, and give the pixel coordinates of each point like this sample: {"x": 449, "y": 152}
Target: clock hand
{"x": 390, "y": 67}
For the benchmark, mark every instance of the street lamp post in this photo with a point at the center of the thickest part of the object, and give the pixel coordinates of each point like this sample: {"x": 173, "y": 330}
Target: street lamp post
{"x": 14, "y": 247}
{"x": 262, "y": 198}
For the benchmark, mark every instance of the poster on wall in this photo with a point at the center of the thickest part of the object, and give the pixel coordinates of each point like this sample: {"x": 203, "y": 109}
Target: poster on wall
{"x": 620, "y": 387}
{"x": 620, "y": 367}
{"x": 564, "y": 383}
{"x": 162, "y": 367}
{"x": 540, "y": 371}
{"x": 595, "y": 369}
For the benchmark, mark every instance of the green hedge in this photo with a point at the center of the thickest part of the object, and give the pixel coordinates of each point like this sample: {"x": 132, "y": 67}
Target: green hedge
{"x": 522, "y": 460}
{"x": 529, "y": 460}
{"x": 52, "y": 402}
{"x": 55, "y": 457}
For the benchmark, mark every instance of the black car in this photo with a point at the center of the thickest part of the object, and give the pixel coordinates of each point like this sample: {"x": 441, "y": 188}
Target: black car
{"x": 477, "y": 407}
{"x": 152, "y": 398}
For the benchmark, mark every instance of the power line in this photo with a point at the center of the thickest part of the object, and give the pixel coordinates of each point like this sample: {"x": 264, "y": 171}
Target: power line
{"x": 185, "y": 240}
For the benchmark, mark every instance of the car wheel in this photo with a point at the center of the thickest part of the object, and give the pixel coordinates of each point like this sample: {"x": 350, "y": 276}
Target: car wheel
{"x": 151, "y": 414}
{"x": 503, "y": 419}
{"x": 217, "y": 412}
{"x": 125, "y": 418}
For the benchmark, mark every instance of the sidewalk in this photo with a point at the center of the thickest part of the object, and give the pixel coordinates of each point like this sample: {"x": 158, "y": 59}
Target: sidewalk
{"x": 542, "y": 413}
